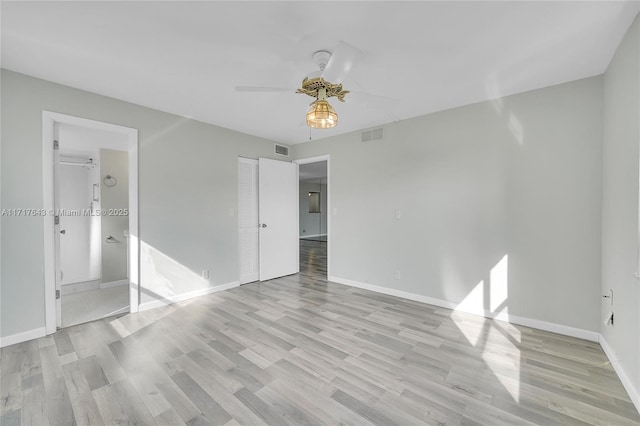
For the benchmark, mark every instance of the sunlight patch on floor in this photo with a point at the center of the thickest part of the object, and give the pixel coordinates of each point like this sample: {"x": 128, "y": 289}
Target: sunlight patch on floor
{"x": 472, "y": 303}
{"x": 498, "y": 341}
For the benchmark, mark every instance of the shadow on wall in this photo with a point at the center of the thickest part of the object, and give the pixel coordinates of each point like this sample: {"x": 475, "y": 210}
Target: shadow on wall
{"x": 513, "y": 124}
{"x": 164, "y": 131}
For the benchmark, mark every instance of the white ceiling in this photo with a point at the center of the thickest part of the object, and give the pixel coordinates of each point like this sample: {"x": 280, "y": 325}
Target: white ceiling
{"x": 187, "y": 57}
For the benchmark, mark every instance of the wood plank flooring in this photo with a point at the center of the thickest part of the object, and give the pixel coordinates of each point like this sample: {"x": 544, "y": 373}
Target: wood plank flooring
{"x": 299, "y": 350}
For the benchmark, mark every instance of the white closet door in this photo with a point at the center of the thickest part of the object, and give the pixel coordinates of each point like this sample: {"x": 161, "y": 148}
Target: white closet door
{"x": 278, "y": 210}
{"x": 248, "y": 220}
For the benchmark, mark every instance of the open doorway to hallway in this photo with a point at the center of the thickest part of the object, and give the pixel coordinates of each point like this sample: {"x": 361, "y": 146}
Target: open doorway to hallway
{"x": 313, "y": 222}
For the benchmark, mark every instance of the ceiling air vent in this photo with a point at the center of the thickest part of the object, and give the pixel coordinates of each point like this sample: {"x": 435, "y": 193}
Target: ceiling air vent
{"x": 372, "y": 135}
{"x": 282, "y": 150}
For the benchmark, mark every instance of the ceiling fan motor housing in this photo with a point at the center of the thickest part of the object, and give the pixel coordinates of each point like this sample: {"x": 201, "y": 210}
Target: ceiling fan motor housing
{"x": 312, "y": 87}
{"x": 321, "y": 58}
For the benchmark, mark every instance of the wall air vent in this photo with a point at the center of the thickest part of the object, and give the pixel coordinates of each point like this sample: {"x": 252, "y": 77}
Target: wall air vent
{"x": 282, "y": 150}
{"x": 372, "y": 135}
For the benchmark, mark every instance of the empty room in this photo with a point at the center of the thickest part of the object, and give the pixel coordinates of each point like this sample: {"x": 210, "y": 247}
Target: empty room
{"x": 320, "y": 213}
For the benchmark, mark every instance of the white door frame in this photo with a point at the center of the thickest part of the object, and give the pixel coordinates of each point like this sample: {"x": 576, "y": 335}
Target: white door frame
{"x": 49, "y": 120}
{"x": 317, "y": 159}
{"x": 242, "y": 192}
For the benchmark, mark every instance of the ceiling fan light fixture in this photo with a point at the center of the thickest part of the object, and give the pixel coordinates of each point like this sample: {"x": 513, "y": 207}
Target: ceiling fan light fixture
{"x": 321, "y": 115}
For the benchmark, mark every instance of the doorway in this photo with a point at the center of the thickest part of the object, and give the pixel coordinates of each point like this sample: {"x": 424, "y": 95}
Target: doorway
{"x": 92, "y": 180}
{"x": 91, "y": 244}
{"x": 314, "y": 216}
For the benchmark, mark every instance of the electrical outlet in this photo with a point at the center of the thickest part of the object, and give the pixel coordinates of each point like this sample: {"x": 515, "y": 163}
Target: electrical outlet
{"x": 398, "y": 214}
{"x": 205, "y": 274}
{"x": 398, "y": 275}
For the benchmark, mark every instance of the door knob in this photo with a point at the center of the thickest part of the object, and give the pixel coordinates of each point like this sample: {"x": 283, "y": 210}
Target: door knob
{"x": 64, "y": 231}
{"x": 264, "y": 225}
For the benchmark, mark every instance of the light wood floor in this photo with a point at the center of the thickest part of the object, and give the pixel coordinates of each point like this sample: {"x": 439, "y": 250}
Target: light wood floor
{"x": 299, "y": 350}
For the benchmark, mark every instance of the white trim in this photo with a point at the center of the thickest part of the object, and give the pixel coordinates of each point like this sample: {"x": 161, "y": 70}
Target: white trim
{"x": 81, "y": 286}
{"x": 114, "y": 283}
{"x": 185, "y": 296}
{"x": 514, "y": 319}
{"x": 619, "y": 369}
{"x": 247, "y": 278}
{"x": 302, "y": 237}
{"x": 552, "y": 327}
{"x": 48, "y": 123}
{"x": 133, "y": 248}
{"x": 36, "y": 333}
{"x": 49, "y": 119}
{"x": 96, "y": 281}
{"x": 317, "y": 159}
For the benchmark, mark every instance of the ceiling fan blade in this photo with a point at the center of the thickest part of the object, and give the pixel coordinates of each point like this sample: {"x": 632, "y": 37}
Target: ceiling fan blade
{"x": 340, "y": 63}
{"x": 363, "y": 97}
{"x": 264, "y": 89}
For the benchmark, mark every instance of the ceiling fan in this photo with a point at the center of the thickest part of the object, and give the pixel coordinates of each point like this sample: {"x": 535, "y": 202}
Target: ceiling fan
{"x": 322, "y": 84}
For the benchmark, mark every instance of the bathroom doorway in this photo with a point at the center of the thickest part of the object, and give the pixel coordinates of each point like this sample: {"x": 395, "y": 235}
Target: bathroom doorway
{"x": 91, "y": 198}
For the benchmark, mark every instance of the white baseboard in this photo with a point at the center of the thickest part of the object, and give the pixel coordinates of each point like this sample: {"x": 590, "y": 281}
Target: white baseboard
{"x": 249, "y": 278}
{"x": 81, "y": 286}
{"x": 514, "y": 319}
{"x": 90, "y": 285}
{"x": 622, "y": 374}
{"x": 184, "y": 296}
{"x": 36, "y": 333}
{"x": 565, "y": 330}
{"x": 114, "y": 283}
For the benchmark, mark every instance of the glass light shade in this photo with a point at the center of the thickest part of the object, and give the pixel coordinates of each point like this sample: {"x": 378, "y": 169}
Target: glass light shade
{"x": 321, "y": 115}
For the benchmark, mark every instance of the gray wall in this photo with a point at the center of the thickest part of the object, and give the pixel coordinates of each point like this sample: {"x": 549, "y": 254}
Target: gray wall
{"x": 114, "y": 200}
{"x": 312, "y": 223}
{"x": 187, "y": 193}
{"x": 620, "y": 203}
{"x": 517, "y": 177}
